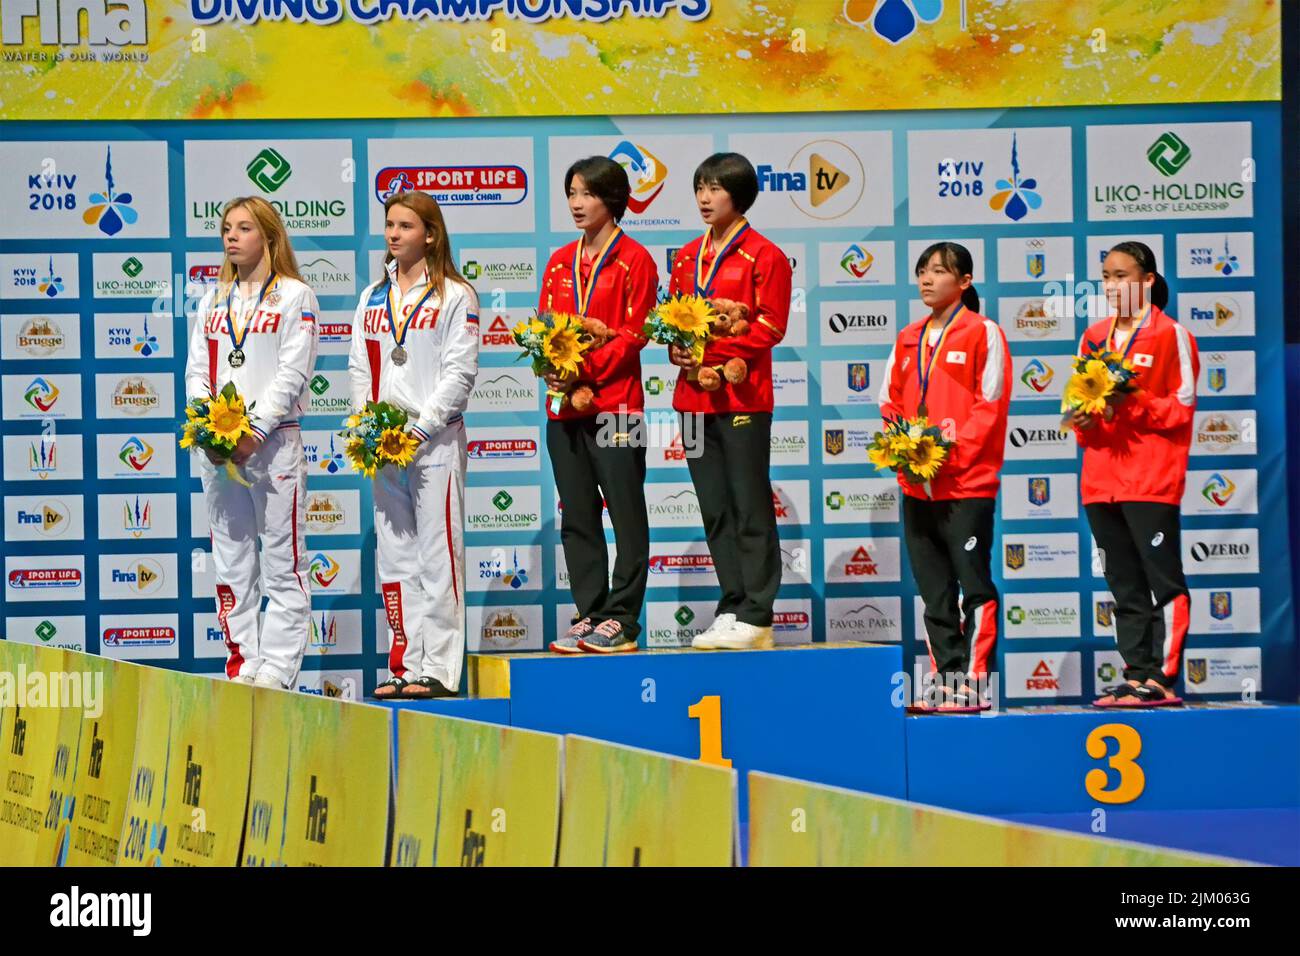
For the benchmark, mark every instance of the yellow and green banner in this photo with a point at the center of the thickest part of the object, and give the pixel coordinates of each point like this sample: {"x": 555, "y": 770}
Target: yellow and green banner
{"x": 318, "y": 794}
{"x": 796, "y": 823}
{"x": 222, "y": 59}
{"x": 474, "y": 794}
{"x": 630, "y": 807}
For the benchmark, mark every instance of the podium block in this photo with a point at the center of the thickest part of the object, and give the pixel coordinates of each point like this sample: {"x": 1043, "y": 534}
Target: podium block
{"x": 819, "y": 712}
{"x": 491, "y": 710}
{"x": 1070, "y": 759}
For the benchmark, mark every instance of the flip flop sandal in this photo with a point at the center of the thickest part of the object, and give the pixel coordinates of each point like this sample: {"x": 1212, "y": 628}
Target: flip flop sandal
{"x": 920, "y": 707}
{"x": 397, "y": 683}
{"x": 1142, "y": 697}
{"x": 959, "y": 703}
{"x": 1167, "y": 698}
{"x": 429, "y": 688}
{"x": 1108, "y": 696}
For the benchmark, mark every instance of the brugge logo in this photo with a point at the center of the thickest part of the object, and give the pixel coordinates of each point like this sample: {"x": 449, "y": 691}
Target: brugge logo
{"x": 1218, "y": 489}
{"x": 1168, "y": 153}
{"x": 323, "y": 511}
{"x": 269, "y": 170}
{"x": 59, "y": 21}
{"x": 892, "y": 20}
{"x": 136, "y": 453}
{"x": 504, "y": 627}
{"x": 1015, "y": 196}
{"x": 1037, "y": 375}
{"x": 135, "y": 396}
{"x": 488, "y": 185}
{"x": 323, "y": 569}
{"x": 646, "y": 174}
{"x": 1218, "y": 431}
{"x": 1033, "y": 321}
{"x": 856, "y": 261}
{"x": 41, "y": 394}
{"x": 40, "y": 336}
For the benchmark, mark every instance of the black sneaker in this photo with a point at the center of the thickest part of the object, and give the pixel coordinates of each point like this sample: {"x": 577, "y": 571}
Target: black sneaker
{"x": 608, "y": 638}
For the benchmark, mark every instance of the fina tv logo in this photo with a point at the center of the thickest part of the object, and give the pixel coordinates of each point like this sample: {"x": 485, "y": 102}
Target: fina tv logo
{"x": 59, "y": 22}
{"x": 894, "y": 20}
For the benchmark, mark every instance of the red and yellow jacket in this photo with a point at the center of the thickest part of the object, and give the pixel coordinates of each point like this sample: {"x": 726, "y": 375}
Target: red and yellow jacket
{"x": 970, "y": 389}
{"x": 1141, "y": 453}
{"x": 626, "y": 290}
{"x": 757, "y": 273}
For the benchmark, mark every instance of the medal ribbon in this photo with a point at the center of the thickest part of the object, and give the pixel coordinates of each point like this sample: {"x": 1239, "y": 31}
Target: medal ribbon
{"x": 1141, "y": 324}
{"x": 924, "y": 367}
{"x": 400, "y": 339}
{"x": 582, "y": 296}
{"x": 704, "y": 280}
{"x": 237, "y": 339}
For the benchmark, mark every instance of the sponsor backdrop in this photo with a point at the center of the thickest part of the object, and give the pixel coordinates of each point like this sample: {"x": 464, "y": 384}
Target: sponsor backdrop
{"x": 105, "y": 241}
{"x": 172, "y": 59}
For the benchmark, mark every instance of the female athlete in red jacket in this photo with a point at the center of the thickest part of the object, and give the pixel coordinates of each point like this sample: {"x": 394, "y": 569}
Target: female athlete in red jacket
{"x": 953, "y": 367}
{"x": 1134, "y": 469}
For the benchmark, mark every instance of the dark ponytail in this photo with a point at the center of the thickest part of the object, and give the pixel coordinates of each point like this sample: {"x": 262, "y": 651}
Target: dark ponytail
{"x": 956, "y": 258}
{"x": 1141, "y": 253}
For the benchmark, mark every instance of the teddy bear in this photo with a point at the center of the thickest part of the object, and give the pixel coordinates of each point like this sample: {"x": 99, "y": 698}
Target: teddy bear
{"x": 598, "y": 333}
{"x": 732, "y": 320}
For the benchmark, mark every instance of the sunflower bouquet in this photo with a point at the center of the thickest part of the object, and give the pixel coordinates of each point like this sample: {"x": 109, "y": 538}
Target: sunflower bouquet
{"x": 216, "y": 424}
{"x": 558, "y": 342}
{"x": 376, "y": 437}
{"x": 911, "y": 447}
{"x": 1098, "y": 381}
{"x": 689, "y": 322}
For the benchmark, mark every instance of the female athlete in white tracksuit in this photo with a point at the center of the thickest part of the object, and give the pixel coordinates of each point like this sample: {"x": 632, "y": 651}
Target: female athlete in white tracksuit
{"x": 415, "y": 345}
{"x": 257, "y": 328}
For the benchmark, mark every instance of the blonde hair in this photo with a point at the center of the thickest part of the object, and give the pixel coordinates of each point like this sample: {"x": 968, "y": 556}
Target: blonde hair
{"x": 437, "y": 256}
{"x": 276, "y": 251}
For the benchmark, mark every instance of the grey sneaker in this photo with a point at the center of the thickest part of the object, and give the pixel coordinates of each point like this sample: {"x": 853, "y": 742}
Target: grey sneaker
{"x": 608, "y": 638}
{"x": 567, "y": 643}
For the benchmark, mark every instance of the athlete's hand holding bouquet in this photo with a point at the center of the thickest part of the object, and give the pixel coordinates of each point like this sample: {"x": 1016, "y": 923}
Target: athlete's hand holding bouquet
{"x": 686, "y": 324}
{"x": 217, "y": 425}
{"x": 558, "y": 343}
{"x": 378, "y": 436}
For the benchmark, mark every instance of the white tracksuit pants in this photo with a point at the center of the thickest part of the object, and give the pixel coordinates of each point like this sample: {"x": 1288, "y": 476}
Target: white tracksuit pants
{"x": 419, "y": 535}
{"x": 274, "y": 510}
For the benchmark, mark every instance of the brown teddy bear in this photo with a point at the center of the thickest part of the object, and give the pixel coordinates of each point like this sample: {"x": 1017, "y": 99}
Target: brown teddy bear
{"x": 598, "y": 333}
{"x": 732, "y": 320}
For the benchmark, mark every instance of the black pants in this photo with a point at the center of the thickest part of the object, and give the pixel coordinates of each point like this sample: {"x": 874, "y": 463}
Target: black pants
{"x": 730, "y": 473}
{"x": 950, "y": 547}
{"x": 583, "y": 471}
{"x": 1142, "y": 561}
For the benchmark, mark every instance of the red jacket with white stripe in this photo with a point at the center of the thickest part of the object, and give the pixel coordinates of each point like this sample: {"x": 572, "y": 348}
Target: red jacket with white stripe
{"x": 757, "y": 273}
{"x": 970, "y": 387}
{"x": 1141, "y": 453}
{"x": 625, "y": 292}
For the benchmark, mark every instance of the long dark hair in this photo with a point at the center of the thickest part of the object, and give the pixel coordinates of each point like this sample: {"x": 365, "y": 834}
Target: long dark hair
{"x": 956, "y": 259}
{"x": 1141, "y": 253}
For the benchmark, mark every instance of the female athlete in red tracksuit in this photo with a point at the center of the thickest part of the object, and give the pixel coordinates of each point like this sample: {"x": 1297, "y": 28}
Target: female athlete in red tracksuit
{"x": 1134, "y": 471}
{"x": 730, "y": 473}
{"x": 954, "y": 367}
{"x": 603, "y": 275}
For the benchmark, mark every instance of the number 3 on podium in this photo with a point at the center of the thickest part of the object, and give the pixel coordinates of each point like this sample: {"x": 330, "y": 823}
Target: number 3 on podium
{"x": 1132, "y": 781}
{"x": 708, "y": 711}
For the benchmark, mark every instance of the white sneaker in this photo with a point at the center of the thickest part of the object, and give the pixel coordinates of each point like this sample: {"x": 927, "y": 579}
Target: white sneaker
{"x": 242, "y": 679}
{"x": 707, "y": 638}
{"x": 744, "y": 637}
{"x": 267, "y": 679}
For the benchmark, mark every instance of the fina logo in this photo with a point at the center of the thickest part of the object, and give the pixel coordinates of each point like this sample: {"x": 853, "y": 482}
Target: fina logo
{"x": 126, "y": 24}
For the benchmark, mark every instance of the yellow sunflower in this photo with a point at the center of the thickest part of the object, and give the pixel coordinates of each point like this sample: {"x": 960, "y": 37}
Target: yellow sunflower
{"x": 395, "y": 446}
{"x": 191, "y": 413}
{"x": 227, "y": 419}
{"x": 926, "y": 458}
{"x": 690, "y": 314}
{"x": 564, "y": 349}
{"x": 880, "y": 457}
{"x": 187, "y": 436}
{"x": 901, "y": 443}
{"x": 352, "y": 421}
{"x": 1089, "y": 389}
